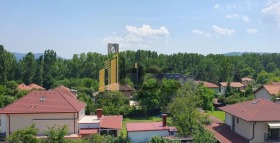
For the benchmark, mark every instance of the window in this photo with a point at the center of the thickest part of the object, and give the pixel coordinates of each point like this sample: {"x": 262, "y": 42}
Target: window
{"x": 237, "y": 120}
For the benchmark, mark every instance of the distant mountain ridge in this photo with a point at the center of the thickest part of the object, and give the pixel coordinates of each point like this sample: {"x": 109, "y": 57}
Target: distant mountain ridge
{"x": 19, "y": 56}
{"x": 241, "y": 53}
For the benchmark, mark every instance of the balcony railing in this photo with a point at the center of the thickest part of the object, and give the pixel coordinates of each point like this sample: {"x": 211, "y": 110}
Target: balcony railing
{"x": 271, "y": 139}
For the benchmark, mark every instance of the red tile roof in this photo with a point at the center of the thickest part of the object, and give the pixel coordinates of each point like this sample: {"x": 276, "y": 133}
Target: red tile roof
{"x": 232, "y": 84}
{"x": 88, "y": 131}
{"x": 272, "y": 88}
{"x": 223, "y": 133}
{"x": 35, "y": 86}
{"x": 23, "y": 87}
{"x": 255, "y": 110}
{"x": 148, "y": 126}
{"x": 65, "y": 90}
{"x": 111, "y": 122}
{"x": 207, "y": 84}
{"x": 54, "y": 102}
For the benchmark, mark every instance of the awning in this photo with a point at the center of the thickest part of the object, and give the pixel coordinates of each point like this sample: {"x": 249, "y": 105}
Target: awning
{"x": 274, "y": 125}
{"x": 88, "y": 131}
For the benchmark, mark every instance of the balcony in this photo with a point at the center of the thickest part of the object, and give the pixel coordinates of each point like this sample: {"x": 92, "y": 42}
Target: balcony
{"x": 271, "y": 138}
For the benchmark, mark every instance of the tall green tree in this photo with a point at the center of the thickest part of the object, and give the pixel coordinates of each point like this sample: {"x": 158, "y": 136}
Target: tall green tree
{"x": 29, "y": 68}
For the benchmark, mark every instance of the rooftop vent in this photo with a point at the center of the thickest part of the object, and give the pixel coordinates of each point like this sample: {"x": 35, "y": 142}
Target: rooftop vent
{"x": 255, "y": 102}
{"x": 43, "y": 98}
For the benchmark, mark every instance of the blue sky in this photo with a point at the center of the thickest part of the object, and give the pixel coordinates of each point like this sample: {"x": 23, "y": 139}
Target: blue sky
{"x": 171, "y": 26}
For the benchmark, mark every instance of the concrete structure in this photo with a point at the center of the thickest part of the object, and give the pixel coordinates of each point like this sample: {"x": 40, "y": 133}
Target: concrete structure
{"x": 143, "y": 132}
{"x": 255, "y": 120}
{"x": 247, "y": 81}
{"x": 233, "y": 85}
{"x": 268, "y": 91}
{"x": 178, "y": 77}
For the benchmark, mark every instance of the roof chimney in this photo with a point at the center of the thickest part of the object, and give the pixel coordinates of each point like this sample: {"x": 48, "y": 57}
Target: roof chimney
{"x": 99, "y": 113}
{"x": 164, "y": 116}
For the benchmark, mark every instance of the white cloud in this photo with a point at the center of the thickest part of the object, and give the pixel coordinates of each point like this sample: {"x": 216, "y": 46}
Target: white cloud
{"x": 223, "y": 31}
{"x": 272, "y": 12}
{"x": 147, "y": 30}
{"x": 200, "y": 33}
{"x": 252, "y": 30}
{"x": 246, "y": 19}
{"x": 232, "y": 16}
{"x": 217, "y": 6}
{"x": 138, "y": 37}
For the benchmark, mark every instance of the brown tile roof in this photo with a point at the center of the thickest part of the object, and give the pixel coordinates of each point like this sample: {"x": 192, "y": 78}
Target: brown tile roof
{"x": 272, "y": 88}
{"x": 232, "y": 84}
{"x": 54, "y": 102}
{"x": 119, "y": 87}
{"x": 255, "y": 110}
{"x": 111, "y": 122}
{"x": 65, "y": 90}
{"x": 35, "y": 86}
{"x": 207, "y": 84}
{"x": 147, "y": 126}
{"x": 88, "y": 131}
{"x": 223, "y": 133}
{"x": 23, "y": 87}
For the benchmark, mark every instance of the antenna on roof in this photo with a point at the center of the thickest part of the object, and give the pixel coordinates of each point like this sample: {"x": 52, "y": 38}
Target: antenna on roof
{"x": 43, "y": 98}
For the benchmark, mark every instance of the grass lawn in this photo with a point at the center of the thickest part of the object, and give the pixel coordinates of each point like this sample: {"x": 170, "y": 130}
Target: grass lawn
{"x": 142, "y": 119}
{"x": 219, "y": 114}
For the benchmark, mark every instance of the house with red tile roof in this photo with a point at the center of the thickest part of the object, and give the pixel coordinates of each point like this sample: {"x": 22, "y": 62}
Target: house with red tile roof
{"x": 143, "y": 132}
{"x": 34, "y": 86}
{"x": 268, "y": 91}
{"x": 257, "y": 120}
{"x": 209, "y": 85}
{"x": 44, "y": 108}
{"x": 56, "y": 107}
{"x": 23, "y": 87}
{"x": 233, "y": 85}
{"x": 109, "y": 125}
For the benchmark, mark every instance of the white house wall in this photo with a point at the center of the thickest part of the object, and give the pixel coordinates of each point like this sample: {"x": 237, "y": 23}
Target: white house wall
{"x": 3, "y": 123}
{"x": 144, "y": 136}
{"x": 19, "y": 121}
{"x": 244, "y": 128}
{"x": 228, "y": 119}
{"x": 262, "y": 93}
{"x": 81, "y": 113}
{"x": 260, "y": 129}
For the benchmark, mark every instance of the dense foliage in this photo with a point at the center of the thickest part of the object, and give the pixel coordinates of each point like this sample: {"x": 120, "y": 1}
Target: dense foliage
{"x": 49, "y": 68}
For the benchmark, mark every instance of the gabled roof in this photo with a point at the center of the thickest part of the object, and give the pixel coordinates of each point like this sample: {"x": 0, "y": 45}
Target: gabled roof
{"x": 35, "y": 86}
{"x": 44, "y": 102}
{"x": 119, "y": 87}
{"x": 232, "y": 84}
{"x": 147, "y": 126}
{"x": 207, "y": 84}
{"x": 111, "y": 122}
{"x": 254, "y": 110}
{"x": 272, "y": 88}
{"x": 65, "y": 90}
{"x": 23, "y": 87}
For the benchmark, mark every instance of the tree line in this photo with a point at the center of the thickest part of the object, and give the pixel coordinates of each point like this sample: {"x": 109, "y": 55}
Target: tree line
{"x": 213, "y": 68}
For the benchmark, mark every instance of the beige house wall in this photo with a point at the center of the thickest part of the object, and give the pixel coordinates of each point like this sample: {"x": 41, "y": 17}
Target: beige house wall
{"x": 245, "y": 128}
{"x": 20, "y": 121}
{"x": 262, "y": 93}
